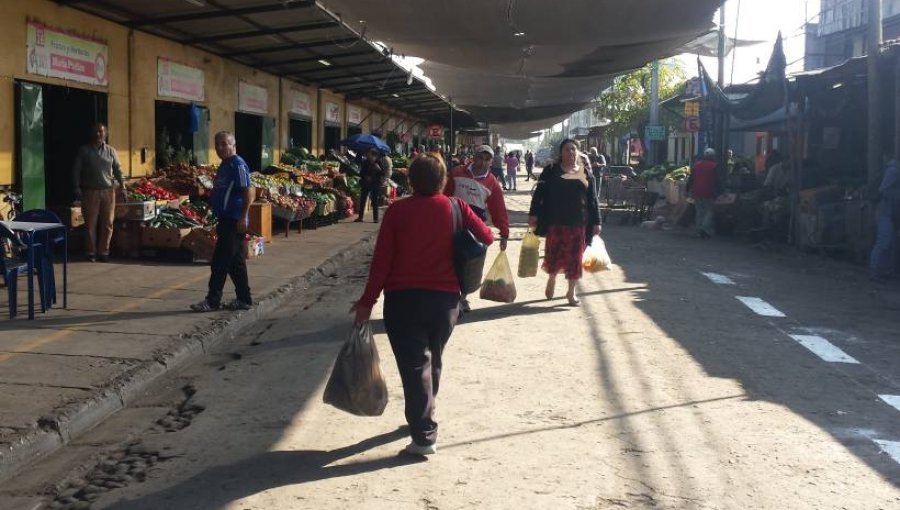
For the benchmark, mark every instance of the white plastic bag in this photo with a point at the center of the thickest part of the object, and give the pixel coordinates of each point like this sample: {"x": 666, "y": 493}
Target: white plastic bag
{"x": 595, "y": 257}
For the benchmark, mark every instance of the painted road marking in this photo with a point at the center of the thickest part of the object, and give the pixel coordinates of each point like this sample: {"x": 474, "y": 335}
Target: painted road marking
{"x": 824, "y": 349}
{"x": 891, "y": 448}
{"x": 760, "y": 307}
{"x": 720, "y": 279}
{"x": 892, "y": 400}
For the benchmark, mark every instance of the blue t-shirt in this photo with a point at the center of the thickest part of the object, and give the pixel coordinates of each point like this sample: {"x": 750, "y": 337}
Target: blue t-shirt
{"x": 232, "y": 179}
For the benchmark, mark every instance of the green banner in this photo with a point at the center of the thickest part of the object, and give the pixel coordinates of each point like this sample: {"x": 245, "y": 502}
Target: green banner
{"x": 31, "y": 145}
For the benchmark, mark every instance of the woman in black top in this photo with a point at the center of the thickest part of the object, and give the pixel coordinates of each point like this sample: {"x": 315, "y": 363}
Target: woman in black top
{"x": 372, "y": 174}
{"x": 564, "y": 208}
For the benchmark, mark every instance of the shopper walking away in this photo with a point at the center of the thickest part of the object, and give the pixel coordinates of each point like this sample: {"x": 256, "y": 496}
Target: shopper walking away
{"x": 373, "y": 172}
{"x": 497, "y": 164}
{"x": 413, "y": 265}
{"x": 598, "y": 163}
{"x": 529, "y": 165}
{"x": 232, "y": 195}
{"x": 564, "y": 208}
{"x": 475, "y": 185}
{"x": 512, "y": 168}
{"x": 883, "y": 260}
{"x": 96, "y": 173}
{"x": 701, "y": 186}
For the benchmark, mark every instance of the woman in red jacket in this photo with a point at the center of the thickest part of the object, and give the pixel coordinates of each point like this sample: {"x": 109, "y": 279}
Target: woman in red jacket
{"x": 413, "y": 265}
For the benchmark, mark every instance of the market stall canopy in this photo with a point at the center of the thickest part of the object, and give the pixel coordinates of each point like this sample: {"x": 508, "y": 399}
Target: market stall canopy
{"x": 524, "y": 64}
{"x": 294, "y": 39}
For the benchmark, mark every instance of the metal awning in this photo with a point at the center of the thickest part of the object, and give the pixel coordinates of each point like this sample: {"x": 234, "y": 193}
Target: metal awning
{"x": 293, "y": 39}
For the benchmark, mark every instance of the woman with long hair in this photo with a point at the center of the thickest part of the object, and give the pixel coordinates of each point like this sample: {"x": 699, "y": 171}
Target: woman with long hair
{"x": 564, "y": 208}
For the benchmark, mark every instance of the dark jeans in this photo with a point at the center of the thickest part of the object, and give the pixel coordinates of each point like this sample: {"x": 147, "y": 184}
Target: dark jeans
{"x": 500, "y": 174}
{"x": 418, "y": 324}
{"x": 530, "y": 173}
{"x": 374, "y": 194}
{"x": 229, "y": 259}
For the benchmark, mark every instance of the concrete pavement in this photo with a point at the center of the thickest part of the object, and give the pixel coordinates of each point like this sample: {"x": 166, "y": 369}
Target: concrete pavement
{"x": 127, "y": 324}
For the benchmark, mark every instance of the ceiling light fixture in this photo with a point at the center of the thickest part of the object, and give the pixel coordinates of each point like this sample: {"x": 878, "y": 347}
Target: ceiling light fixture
{"x": 395, "y": 95}
{"x": 519, "y": 34}
{"x": 325, "y": 63}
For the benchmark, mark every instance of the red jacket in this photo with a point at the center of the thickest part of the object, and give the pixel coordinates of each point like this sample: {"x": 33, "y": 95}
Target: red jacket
{"x": 702, "y": 182}
{"x": 482, "y": 193}
{"x": 414, "y": 249}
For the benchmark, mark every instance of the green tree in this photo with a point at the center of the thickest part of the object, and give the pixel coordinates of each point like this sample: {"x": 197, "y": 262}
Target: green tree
{"x": 627, "y": 102}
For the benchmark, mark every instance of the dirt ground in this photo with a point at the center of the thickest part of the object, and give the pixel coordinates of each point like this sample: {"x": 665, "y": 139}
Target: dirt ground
{"x": 662, "y": 390}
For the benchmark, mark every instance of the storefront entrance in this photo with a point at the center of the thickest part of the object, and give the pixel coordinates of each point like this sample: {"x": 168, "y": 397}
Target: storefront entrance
{"x": 182, "y": 133}
{"x": 332, "y": 138}
{"x": 300, "y": 133}
{"x": 353, "y": 130}
{"x": 255, "y": 137}
{"x": 52, "y": 123}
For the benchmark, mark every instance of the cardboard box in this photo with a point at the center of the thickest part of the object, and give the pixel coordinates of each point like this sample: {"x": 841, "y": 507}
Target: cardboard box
{"x": 163, "y": 237}
{"x": 126, "y": 238}
{"x": 139, "y": 211}
{"x": 261, "y": 220}
{"x": 200, "y": 242}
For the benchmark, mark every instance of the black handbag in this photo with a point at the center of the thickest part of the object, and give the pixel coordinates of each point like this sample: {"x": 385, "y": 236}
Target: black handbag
{"x": 469, "y": 253}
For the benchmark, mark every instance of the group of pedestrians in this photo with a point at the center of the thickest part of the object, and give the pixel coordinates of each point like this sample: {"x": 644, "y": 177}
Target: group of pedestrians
{"x": 413, "y": 260}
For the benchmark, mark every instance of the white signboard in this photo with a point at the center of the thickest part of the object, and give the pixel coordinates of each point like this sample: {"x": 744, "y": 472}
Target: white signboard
{"x": 354, "y": 115}
{"x": 301, "y": 104}
{"x": 333, "y": 112}
{"x": 253, "y": 98}
{"x": 57, "y": 54}
{"x": 178, "y": 80}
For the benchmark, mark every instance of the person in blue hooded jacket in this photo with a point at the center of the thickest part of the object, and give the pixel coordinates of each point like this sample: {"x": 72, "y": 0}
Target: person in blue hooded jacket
{"x": 883, "y": 260}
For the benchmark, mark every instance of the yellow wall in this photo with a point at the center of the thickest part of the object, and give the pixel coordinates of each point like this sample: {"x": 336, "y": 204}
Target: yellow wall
{"x": 286, "y": 85}
{"x": 12, "y": 67}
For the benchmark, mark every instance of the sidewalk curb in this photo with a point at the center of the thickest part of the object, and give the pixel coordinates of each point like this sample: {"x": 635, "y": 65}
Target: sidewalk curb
{"x": 53, "y": 432}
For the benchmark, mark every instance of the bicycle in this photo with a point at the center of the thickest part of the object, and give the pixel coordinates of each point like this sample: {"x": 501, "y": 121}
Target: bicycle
{"x": 14, "y": 203}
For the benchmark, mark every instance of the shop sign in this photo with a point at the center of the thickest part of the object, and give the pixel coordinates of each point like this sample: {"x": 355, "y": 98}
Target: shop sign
{"x": 655, "y": 133}
{"x": 253, "y": 98}
{"x": 301, "y": 104}
{"x": 692, "y": 124}
{"x": 332, "y": 112}
{"x": 178, "y": 80}
{"x": 435, "y": 131}
{"x": 354, "y": 115}
{"x": 56, "y": 54}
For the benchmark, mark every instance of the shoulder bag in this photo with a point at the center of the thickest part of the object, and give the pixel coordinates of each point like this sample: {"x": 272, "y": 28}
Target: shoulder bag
{"x": 468, "y": 252}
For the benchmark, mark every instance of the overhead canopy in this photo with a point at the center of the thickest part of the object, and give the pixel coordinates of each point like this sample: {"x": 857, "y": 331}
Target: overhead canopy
{"x": 295, "y": 39}
{"x": 523, "y": 64}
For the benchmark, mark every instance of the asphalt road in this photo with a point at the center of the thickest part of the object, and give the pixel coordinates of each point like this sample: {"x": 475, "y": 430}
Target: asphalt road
{"x": 695, "y": 374}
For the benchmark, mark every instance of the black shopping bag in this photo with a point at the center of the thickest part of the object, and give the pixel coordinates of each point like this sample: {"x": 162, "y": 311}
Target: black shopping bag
{"x": 356, "y": 384}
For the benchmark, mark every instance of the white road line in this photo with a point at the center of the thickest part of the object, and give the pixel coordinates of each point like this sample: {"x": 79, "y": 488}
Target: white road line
{"x": 720, "y": 279}
{"x": 891, "y": 448}
{"x": 824, "y": 349}
{"x": 760, "y": 307}
{"x": 892, "y": 400}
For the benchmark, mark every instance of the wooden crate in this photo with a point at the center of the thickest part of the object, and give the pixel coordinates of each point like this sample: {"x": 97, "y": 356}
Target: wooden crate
{"x": 202, "y": 243}
{"x": 261, "y": 220}
{"x": 163, "y": 237}
{"x": 126, "y": 239}
{"x": 139, "y": 211}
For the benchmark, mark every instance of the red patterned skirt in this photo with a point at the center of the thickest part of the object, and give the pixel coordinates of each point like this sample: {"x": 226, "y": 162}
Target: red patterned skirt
{"x": 563, "y": 250}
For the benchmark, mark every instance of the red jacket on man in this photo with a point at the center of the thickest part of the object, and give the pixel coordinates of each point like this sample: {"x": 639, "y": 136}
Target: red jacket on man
{"x": 702, "y": 182}
{"x": 482, "y": 193}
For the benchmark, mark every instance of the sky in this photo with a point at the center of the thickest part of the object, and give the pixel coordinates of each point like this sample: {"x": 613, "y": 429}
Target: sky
{"x": 760, "y": 20}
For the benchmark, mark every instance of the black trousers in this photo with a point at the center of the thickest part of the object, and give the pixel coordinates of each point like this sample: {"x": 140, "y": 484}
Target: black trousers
{"x": 229, "y": 259}
{"x": 418, "y": 324}
{"x": 374, "y": 194}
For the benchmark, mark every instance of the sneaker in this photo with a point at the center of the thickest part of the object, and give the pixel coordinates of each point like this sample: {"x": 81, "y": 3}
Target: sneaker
{"x": 204, "y": 306}
{"x": 91, "y": 258}
{"x": 358, "y": 220}
{"x": 420, "y": 450}
{"x": 237, "y": 304}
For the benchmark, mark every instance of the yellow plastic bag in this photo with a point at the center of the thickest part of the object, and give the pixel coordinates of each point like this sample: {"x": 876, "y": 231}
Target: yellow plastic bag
{"x": 529, "y": 255}
{"x": 595, "y": 257}
{"x": 498, "y": 285}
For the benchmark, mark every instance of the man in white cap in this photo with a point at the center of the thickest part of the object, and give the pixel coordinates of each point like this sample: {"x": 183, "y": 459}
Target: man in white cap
{"x": 476, "y": 185}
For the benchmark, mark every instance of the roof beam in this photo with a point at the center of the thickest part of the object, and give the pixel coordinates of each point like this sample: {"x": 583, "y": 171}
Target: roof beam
{"x": 222, "y": 13}
{"x": 294, "y": 46}
{"x": 359, "y": 79}
{"x": 363, "y": 89}
{"x": 342, "y": 68}
{"x": 267, "y": 31}
{"x": 307, "y": 60}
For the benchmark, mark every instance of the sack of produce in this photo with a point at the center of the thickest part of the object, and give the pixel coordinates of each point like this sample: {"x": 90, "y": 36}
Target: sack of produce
{"x": 595, "y": 257}
{"x": 356, "y": 384}
{"x": 498, "y": 285}
{"x": 529, "y": 255}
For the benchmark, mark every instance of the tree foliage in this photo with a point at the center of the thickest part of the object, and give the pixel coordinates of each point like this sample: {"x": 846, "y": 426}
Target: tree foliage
{"x": 627, "y": 102}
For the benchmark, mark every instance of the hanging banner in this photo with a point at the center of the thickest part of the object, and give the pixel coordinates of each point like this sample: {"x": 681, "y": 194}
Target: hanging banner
{"x": 56, "y": 54}
{"x": 354, "y": 115}
{"x": 300, "y": 104}
{"x": 178, "y": 80}
{"x": 253, "y": 98}
{"x": 332, "y": 112}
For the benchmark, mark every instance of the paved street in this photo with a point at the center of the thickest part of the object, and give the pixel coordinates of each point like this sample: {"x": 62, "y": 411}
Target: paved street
{"x": 695, "y": 374}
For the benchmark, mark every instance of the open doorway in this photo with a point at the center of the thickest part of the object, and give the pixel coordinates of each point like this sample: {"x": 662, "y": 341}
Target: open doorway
{"x": 182, "y": 133}
{"x": 63, "y": 116}
{"x": 299, "y": 133}
{"x": 254, "y": 135}
{"x": 332, "y": 138}
{"x": 353, "y": 129}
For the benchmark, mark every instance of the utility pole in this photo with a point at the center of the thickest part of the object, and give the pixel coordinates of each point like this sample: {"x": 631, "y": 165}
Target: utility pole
{"x": 654, "y": 107}
{"x": 719, "y": 143}
{"x": 873, "y": 158}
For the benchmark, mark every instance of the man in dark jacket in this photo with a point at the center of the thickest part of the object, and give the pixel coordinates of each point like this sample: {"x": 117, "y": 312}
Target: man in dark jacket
{"x": 701, "y": 186}
{"x": 883, "y": 260}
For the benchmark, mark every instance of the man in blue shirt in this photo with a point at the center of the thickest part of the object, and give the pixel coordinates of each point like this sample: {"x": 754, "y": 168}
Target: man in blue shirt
{"x": 882, "y": 261}
{"x": 232, "y": 195}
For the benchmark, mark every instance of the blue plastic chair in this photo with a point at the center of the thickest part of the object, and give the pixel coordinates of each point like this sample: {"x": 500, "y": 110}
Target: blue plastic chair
{"x": 13, "y": 267}
{"x": 46, "y": 272}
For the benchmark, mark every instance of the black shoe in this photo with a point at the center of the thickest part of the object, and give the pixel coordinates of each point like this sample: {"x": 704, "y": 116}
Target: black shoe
{"x": 358, "y": 220}
{"x": 103, "y": 258}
